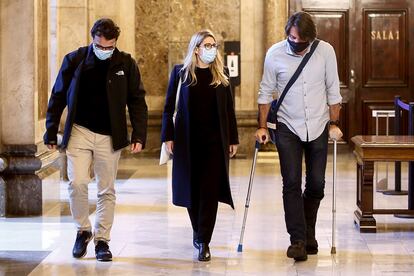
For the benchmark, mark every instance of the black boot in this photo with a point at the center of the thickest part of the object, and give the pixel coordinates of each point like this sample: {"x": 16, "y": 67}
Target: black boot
{"x": 311, "y": 207}
{"x": 204, "y": 252}
{"x": 195, "y": 240}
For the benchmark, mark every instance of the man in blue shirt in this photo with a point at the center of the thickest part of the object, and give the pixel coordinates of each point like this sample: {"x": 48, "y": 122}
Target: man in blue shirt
{"x": 308, "y": 115}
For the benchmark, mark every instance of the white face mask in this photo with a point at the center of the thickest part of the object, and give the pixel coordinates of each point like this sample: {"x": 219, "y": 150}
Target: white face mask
{"x": 208, "y": 56}
{"x": 102, "y": 54}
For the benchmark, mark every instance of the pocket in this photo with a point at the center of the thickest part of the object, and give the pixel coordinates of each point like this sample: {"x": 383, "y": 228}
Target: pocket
{"x": 77, "y": 137}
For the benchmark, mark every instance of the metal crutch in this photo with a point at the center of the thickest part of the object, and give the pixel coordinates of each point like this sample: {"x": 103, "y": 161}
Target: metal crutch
{"x": 333, "y": 248}
{"x": 249, "y": 191}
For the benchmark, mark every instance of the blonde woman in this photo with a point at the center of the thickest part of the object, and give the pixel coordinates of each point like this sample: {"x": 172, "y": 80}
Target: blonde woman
{"x": 203, "y": 138}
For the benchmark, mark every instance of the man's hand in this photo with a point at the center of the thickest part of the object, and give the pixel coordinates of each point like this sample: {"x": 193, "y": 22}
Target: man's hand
{"x": 51, "y": 147}
{"x": 335, "y": 132}
{"x": 136, "y": 147}
{"x": 232, "y": 150}
{"x": 262, "y": 135}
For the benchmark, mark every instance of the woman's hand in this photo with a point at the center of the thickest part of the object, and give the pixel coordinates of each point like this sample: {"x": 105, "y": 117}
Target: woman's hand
{"x": 170, "y": 146}
{"x": 232, "y": 150}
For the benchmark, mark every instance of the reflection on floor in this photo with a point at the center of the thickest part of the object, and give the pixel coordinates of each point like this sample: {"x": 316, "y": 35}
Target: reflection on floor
{"x": 20, "y": 262}
{"x": 152, "y": 237}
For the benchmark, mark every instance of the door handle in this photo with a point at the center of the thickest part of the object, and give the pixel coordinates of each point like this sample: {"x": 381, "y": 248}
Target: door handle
{"x": 352, "y": 76}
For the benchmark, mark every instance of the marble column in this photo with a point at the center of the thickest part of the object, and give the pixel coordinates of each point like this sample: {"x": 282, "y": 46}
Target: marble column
{"x": 72, "y": 29}
{"x": 261, "y": 25}
{"x": 23, "y": 84}
{"x": 275, "y": 17}
{"x": 252, "y": 56}
{"x": 123, "y": 13}
{"x": 251, "y": 39}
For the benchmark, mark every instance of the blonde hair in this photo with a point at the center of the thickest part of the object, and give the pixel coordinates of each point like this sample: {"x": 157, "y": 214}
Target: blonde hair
{"x": 190, "y": 61}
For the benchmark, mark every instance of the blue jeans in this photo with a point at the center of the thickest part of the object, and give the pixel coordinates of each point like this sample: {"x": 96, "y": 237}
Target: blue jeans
{"x": 290, "y": 149}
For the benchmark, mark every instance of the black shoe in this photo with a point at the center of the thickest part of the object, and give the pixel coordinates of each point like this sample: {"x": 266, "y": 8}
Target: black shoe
{"x": 195, "y": 242}
{"x": 297, "y": 251}
{"x": 204, "y": 252}
{"x": 312, "y": 247}
{"x": 102, "y": 252}
{"x": 81, "y": 243}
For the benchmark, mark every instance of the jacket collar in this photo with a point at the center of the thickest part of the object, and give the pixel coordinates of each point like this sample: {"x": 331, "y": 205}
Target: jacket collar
{"x": 89, "y": 62}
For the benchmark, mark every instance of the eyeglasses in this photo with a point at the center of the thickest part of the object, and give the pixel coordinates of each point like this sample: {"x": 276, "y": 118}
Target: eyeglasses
{"x": 109, "y": 48}
{"x": 208, "y": 46}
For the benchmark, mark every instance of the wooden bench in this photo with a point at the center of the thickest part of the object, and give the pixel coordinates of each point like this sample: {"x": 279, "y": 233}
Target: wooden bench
{"x": 370, "y": 149}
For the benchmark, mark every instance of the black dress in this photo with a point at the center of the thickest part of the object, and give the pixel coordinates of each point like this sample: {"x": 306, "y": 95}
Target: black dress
{"x": 207, "y": 169}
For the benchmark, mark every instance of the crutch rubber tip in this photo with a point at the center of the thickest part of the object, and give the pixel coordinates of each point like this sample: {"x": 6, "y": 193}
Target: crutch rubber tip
{"x": 240, "y": 248}
{"x": 333, "y": 250}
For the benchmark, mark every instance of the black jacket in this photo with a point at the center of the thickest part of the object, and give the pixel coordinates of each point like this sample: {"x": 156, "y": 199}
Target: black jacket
{"x": 124, "y": 88}
{"x": 180, "y": 134}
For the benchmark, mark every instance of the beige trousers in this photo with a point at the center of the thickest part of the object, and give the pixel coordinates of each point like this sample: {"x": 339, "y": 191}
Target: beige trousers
{"x": 84, "y": 149}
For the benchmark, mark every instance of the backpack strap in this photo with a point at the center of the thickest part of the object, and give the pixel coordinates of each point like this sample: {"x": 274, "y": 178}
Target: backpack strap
{"x": 80, "y": 55}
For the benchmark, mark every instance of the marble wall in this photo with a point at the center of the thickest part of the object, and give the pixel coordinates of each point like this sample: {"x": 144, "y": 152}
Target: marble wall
{"x": 163, "y": 31}
{"x": 164, "y": 28}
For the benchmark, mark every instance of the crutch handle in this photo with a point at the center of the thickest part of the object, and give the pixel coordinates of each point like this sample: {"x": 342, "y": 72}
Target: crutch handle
{"x": 257, "y": 145}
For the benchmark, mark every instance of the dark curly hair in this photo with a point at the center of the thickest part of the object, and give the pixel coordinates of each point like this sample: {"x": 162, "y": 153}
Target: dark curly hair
{"x": 304, "y": 22}
{"x": 105, "y": 27}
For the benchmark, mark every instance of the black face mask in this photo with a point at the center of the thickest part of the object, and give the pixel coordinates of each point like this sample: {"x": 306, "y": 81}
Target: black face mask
{"x": 298, "y": 47}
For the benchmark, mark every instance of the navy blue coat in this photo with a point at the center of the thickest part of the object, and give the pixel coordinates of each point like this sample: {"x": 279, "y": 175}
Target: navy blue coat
{"x": 180, "y": 134}
{"x": 124, "y": 88}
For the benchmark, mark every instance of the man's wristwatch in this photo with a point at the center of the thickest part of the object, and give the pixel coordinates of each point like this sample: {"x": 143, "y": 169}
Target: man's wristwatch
{"x": 336, "y": 123}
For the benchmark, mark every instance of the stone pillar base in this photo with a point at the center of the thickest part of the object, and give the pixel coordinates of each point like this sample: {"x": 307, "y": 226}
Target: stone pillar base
{"x": 23, "y": 195}
{"x": 21, "y": 190}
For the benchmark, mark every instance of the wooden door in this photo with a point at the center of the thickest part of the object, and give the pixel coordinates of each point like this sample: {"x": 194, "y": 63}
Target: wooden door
{"x": 382, "y": 37}
{"x": 371, "y": 40}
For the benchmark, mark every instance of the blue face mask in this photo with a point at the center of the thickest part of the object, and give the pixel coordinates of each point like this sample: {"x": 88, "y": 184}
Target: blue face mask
{"x": 102, "y": 54}
{"x": 208, "y": 56}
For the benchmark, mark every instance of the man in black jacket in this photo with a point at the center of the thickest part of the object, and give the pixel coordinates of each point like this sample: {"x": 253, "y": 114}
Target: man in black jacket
{"x": 96, "y": 83}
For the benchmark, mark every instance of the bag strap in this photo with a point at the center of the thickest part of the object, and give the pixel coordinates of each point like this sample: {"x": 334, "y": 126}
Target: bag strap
{"x": 177, "y": 96}
{"x": 297, "y": 73}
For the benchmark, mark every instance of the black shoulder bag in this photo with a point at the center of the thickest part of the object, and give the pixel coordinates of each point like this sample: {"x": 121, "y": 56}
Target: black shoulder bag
{"x": 274, "y": 107}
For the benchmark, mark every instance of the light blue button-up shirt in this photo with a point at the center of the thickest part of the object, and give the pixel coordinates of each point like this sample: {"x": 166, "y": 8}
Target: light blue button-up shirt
{"x": 305, "y": 107}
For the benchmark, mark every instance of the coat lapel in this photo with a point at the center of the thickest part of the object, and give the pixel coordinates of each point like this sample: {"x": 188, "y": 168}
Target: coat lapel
{"x": 185, "y": 91}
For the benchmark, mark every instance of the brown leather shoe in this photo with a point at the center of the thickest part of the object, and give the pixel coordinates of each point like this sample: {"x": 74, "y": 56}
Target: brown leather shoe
{"x": 312, "y": 247}
{"x": 297, "y": 251}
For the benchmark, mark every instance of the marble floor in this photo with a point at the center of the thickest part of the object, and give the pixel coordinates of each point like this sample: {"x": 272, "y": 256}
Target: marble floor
{"x": 150, "y": 236}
